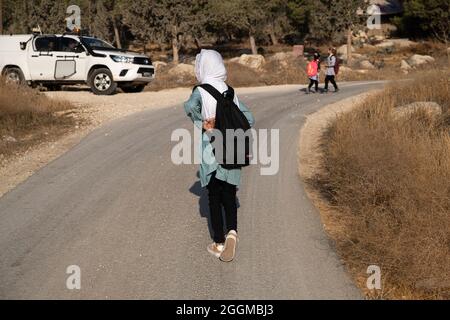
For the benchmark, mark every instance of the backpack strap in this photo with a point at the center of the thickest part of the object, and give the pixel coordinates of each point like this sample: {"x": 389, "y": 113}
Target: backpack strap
{"x": 215, "y": 93}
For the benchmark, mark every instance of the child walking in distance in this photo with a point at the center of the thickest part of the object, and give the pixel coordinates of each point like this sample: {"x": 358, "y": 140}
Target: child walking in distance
{"x": 331, "y": 70}
{"x": 313, "y": 70}
{"x": 221, "y": 183}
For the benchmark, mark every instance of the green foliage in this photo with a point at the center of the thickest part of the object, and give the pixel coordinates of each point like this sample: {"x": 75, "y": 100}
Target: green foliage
{"x": 329, "y": 20}
{"x": 179, "y": 22}
{"x": 233, "y": 16}
{"x": 425, "y": 17}
{"x": 298, "y": 13}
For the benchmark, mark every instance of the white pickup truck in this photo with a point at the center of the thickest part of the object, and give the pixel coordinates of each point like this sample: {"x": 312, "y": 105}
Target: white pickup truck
{"x": 56, "y": 60}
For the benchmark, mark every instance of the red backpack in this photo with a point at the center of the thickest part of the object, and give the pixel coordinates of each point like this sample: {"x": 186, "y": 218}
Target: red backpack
{"x": 312, "y": 69}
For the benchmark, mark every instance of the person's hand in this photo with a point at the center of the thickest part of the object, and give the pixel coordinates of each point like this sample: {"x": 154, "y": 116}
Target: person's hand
{"x": 209, "y": 124}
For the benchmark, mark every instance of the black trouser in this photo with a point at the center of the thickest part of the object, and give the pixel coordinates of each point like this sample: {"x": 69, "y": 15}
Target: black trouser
{"x": 222, "y": 195}
{"x": 331, "y": 79}
{"x": 312, "y": 83}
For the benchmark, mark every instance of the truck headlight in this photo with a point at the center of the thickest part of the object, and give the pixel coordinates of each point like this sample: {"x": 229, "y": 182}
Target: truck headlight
{"x": 122, "y": 59}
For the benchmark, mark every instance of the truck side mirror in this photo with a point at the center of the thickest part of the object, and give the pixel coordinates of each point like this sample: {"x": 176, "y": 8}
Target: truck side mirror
{"x": 23, "y": 45}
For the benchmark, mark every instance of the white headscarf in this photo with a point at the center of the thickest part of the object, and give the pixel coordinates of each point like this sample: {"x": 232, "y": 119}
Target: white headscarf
{"x": 210, "y": 69}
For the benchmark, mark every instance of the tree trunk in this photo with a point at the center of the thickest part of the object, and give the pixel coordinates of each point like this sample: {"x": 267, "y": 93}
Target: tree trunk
{"x": 349, "y": 46}
{"x": 117, "y": 34}
{"x": 1, "y": 17}
{"x": 175, "y": 50}
{"x": 273, "y": 36}
{"x": 253, "y": 44}
{"x": 175, "y": 44}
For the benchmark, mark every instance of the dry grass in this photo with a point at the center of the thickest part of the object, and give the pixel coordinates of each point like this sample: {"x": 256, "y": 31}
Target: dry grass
{"x": 29, "y": 117}
{"x": 386, "y": 180}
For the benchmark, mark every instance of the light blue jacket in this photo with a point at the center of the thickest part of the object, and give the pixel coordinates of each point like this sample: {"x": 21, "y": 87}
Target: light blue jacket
{"x": 193, "y": 108}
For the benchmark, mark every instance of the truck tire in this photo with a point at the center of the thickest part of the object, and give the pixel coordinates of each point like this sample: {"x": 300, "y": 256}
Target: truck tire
{"x": 133, "y": 89}
{"x": 101, "y": 82}
{"x": 14, "y": 75}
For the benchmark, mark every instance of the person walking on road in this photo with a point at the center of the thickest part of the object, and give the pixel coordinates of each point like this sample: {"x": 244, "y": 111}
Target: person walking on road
{"x": 332, "y": 65}
{"x": 313, "y": 70}
{"x": 221, "y": 183}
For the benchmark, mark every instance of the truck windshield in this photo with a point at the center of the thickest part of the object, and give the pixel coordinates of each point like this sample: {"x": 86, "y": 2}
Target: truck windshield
{"x": 97, "y": 44}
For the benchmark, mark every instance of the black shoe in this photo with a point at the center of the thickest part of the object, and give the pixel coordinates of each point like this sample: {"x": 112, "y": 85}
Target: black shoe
{"x": 336, "y": 91}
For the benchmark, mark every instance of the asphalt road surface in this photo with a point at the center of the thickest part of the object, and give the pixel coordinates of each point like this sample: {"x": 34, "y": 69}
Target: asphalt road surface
{"x": 137, "y": 226}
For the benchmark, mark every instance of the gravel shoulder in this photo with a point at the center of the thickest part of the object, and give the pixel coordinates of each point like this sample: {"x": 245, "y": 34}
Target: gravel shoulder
{"x": 96, "y": 111}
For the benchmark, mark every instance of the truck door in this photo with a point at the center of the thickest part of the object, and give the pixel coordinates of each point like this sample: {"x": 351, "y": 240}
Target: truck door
{"x": 41, "y": 59}
{"x": 71, "y": 59}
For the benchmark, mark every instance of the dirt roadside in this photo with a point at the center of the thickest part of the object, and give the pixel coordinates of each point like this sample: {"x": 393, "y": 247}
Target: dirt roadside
{"x": 314, "y": 128}
{"x": 96, "y": 111}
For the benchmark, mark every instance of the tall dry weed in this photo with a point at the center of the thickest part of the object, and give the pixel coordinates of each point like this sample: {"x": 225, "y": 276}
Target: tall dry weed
{"x": 28, "y": 116}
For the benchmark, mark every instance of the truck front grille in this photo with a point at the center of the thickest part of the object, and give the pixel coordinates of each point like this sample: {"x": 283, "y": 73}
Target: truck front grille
{"x": 142, "y": 61}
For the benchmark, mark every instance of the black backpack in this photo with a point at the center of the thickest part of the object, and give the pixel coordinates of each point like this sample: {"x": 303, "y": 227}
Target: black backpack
{"x": 230, "y": 117}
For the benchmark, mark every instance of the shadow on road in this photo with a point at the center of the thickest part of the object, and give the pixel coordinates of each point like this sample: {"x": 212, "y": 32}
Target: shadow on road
{"x": 203, "y": 204}
{"x": 305, "y": 90}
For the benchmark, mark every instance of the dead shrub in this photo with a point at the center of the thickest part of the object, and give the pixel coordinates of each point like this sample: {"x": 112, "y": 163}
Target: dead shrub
{"x": 28, "y": 116}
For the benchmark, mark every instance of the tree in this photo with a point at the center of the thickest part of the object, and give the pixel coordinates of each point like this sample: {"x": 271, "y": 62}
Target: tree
{"x": 1, "y": 17}
{"x": 198, "y": 27}
{"x": 47, "y": 14}
{"x": 16, "y": 16}
{"x": 339, "y": 16}
{"x": 166, "y": 21}
{"x": 109, "y": 13}
{"x": 431, "y": 17}
{"x": 101, "y": 24}
{"x": 239, "y": 16}
{"x": 177, "y": 19}
{"x": 298, "y": 13}
{"x": 348, "y": 18}
{"x": 276, "y": 19}
{"x": 140, "y": 17}
{"x": 428, "y": 16}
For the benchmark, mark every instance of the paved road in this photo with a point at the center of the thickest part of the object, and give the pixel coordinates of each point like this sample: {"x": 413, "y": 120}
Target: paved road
{"x": 136, "y": 224}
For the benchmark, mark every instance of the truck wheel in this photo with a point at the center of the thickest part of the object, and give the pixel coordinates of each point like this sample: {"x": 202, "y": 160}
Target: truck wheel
{"x": 101, "y": 82}
{"x": 14, "y": 76}
{"x": 133, "y": 89}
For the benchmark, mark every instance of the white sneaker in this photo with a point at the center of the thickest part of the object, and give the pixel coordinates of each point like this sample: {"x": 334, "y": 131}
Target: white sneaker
{"x": 216, "y": 249}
